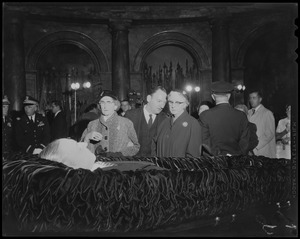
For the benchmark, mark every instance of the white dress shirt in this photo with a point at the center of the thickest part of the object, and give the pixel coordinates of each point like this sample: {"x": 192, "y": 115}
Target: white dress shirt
{"x": 147, "y": 115}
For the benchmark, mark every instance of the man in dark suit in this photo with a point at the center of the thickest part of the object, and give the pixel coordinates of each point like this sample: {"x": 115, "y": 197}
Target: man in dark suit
{"x": 224, "y": 129}
{"x": 32, "y": 129}
{"x": 147, "y": 119}
{"x": 59, "y": 123}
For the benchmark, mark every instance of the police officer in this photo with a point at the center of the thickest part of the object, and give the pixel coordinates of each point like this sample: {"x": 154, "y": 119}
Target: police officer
{"x": 224, "y": 129}
{"x": 7, "y": 130}
{"x": 32, "y": 129}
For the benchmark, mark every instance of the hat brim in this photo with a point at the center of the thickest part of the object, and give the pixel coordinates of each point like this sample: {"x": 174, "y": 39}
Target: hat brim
{"x": 111, "y": 96}
{"x": 223, "y": 92}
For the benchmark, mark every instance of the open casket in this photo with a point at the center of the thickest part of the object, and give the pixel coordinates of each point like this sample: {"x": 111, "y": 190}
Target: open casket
{"x": 41, "y": 197}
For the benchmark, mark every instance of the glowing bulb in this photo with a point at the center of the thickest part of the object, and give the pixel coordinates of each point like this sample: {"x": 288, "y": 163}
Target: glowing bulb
{"x": 197, "y": 88}
{"x": 188, "y": 88}
{"x": 239, "y": 87}
{"x": 75, "y": 86}
{"x": 86, "y": 84}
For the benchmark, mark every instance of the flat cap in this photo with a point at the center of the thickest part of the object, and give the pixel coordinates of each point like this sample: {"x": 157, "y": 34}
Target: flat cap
{"x": 108, "y": 93}
{"x": 221, "y": 87}
{"x": 5, "y": 101}
{"x": 30, "y": 101}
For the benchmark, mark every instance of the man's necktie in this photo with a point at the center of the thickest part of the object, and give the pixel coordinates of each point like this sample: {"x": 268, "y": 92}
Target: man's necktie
{"x": 253, "y": 111}
{"x": 150, "y": 121}
{"x": 31, "y": 119}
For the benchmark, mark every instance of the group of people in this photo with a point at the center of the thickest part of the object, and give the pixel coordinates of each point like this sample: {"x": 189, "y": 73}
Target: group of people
{"x": 31, "y": 132}
{"x": 150, "y": 131}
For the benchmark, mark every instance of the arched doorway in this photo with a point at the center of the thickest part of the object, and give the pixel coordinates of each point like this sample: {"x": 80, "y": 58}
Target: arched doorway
{"x": 171, "y": 59}
{"x": 59, "y": 59}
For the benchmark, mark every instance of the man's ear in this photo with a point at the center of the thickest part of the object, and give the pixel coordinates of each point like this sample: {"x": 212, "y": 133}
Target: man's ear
{"x": 149, "y": 98}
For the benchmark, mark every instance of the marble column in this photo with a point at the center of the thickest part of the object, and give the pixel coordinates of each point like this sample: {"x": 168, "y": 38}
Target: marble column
{"x": 120, "y": 57}
{"x": 14, "y": 62}
{"x": 221, "y": 66}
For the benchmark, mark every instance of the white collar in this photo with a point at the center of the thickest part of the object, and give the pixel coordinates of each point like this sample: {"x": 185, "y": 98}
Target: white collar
{"x": 32, "y": 117}
{"x": 257, "y": 107}
{"x": 221, "y": 102}
{"x": 147, "y": 114}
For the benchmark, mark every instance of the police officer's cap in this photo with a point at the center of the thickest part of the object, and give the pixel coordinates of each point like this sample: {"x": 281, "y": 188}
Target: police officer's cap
{"x": 30, "y": 101}
{"x": 5, "y": 101}
{"x": 221, "y": 87}
{"x": 108, "y": 93}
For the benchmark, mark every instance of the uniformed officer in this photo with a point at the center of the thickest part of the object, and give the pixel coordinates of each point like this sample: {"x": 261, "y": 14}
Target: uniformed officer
{"x": 224, "y": 129}
{"x": 32, "y": 129}
{"x": 7, "y": 130}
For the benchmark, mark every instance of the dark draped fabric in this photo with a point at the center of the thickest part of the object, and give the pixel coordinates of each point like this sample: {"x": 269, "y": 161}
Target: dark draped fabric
{"x": 44, "y": 196}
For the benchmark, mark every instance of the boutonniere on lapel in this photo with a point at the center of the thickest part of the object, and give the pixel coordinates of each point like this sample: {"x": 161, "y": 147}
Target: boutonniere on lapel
{"x": 41, "y": 123}
{"x": 185, "y": 124}
{"x": 9, "y": 124}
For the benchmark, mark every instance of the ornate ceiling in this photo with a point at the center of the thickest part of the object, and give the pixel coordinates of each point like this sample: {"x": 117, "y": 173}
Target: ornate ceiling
{"x": 143, "y": 12}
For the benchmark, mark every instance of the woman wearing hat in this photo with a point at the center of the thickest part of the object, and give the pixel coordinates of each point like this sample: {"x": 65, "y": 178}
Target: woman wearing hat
{"x": 179, "y": 135}
{"x": 111, "y": 134}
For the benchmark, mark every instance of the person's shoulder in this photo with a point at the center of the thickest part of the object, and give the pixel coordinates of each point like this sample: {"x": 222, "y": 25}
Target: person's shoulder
{"x": 90, "y": 123}
{"x": 283, "y": 121}
{"x": 193, "y": 120}
{"x": 266, "y": 111}
{"x": 239, "y": 113}
{"x": 207, "y": 113}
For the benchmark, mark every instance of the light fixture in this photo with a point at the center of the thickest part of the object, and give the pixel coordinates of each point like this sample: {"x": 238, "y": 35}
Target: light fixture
{"x": 75, "y": 86}
{"x": 197, "y": 88}
{"x": 86, "y": 84}
{"x": 189, "y": 88}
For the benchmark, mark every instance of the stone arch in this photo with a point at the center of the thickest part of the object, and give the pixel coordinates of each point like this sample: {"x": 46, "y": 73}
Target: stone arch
{"x": 67, "y": 37}
{"x": 254, "y": 35}
{"x": 171, "y": 38}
